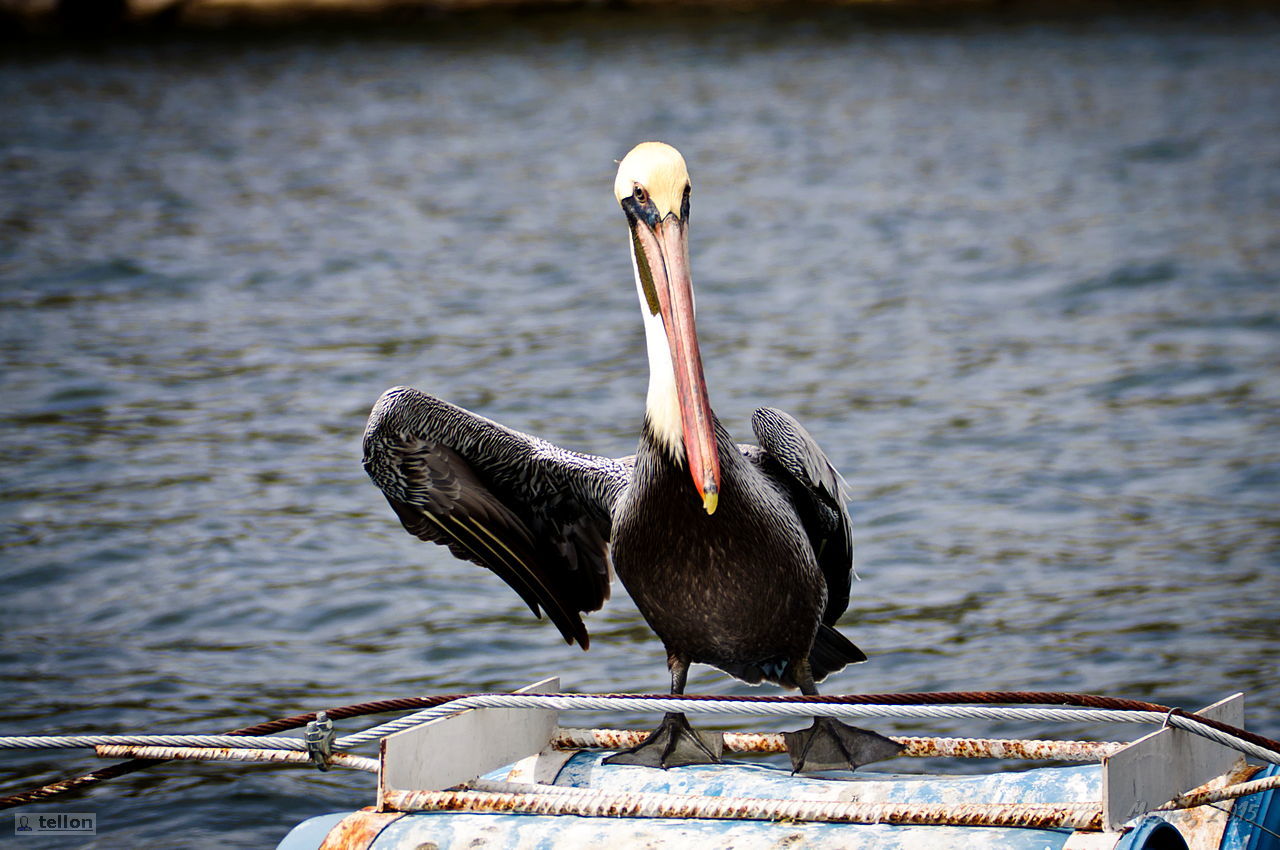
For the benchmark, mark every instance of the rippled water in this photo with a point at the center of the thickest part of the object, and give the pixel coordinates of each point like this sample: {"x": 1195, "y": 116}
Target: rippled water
{"x": 1020, "y": 280}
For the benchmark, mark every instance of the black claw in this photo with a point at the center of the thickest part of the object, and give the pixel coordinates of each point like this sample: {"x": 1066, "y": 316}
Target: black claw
{"x": 831, "y": 745}
{"x": 673, "y": 744}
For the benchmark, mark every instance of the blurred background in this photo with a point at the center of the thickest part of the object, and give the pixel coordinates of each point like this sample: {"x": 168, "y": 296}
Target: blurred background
{"x": 1017, "y": 271}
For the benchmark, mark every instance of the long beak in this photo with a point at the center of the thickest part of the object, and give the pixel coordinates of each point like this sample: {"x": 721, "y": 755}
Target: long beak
{"x": 666, "y": 249}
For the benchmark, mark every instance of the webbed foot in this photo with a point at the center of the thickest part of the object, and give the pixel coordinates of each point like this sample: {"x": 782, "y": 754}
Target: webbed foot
{"x": 831, "y": 745}
{"x": 673, "y": 744}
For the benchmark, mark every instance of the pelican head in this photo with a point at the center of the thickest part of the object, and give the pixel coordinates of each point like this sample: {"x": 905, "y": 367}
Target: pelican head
{"x": 652, "y": 187}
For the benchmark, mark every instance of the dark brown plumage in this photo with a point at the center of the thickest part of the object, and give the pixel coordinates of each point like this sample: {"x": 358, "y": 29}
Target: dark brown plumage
{"x": 737, "y": 556}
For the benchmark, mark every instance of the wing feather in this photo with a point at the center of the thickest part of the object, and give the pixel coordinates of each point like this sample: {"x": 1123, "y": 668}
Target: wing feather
{"x": 536, "y": 515}
{"x": 818, "y": 493}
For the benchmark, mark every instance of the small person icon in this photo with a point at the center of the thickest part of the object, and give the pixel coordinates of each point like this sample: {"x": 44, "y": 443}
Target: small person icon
{"x": 24, "y": 824}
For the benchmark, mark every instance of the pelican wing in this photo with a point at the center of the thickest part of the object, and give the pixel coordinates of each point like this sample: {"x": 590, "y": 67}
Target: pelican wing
{"x": 818, "y": 494}
{"x": 535, "y": 514}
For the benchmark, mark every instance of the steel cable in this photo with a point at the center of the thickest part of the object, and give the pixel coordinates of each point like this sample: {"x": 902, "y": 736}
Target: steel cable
{"x": 1120, "y": 710}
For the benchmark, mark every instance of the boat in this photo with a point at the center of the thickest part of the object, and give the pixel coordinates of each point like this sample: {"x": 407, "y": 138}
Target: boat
{"x": 499, "y": 772}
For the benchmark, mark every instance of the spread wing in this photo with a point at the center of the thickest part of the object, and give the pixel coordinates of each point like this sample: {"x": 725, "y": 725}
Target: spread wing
{"x": 537, "y": 515}
{"x": 817, "y": 492}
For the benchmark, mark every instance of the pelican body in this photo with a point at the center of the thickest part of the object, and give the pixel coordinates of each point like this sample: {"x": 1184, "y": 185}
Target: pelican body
{"x": 737, "y": 556}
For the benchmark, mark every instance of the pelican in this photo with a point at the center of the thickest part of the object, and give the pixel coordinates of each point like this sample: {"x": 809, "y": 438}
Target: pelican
{"x": 737, "y": 556}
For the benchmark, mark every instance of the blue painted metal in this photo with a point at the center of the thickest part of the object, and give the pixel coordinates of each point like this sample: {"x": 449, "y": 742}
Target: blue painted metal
{"x": 1255, "y": 822}
{"x": 310, "y": 834}
{"x": 1078, "y": 784}
{"x": 1152, "y": 833}
{"x": 536, "y": 832}
{"x": 452, "y": 831}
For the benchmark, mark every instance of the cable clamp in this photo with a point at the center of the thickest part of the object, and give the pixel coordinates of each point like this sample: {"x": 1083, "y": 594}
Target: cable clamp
{"x": 319, "y": 739}
{"x": 1168, "y": 714}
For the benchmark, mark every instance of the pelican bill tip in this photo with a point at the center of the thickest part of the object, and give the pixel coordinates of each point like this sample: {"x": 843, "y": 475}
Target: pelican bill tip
{"x": 710, "y": 500}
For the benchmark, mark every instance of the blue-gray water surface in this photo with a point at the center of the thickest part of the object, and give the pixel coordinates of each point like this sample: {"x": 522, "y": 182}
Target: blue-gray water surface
{"x": 1021, "y": 280}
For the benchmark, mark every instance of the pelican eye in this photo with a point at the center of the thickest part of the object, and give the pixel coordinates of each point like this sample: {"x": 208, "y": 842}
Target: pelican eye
{"x": 639, "y": 193}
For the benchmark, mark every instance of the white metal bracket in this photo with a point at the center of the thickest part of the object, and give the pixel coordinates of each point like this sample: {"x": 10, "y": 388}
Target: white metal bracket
{"x": 463, "y": 746}
{"x": 1158, "y": 767}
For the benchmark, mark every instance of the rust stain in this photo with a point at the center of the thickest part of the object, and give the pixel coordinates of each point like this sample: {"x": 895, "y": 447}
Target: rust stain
{"x": 1075, "y": 816}
{"x": 192, "y": 753}
{"x": 756, "y": 742}
{"x": 112, "y": 751}
{"x": 1202, "y": 826}
{"x": 608, "y": 739}
{"x": 358, "y": 830}
{"x": 1009, "y": 749}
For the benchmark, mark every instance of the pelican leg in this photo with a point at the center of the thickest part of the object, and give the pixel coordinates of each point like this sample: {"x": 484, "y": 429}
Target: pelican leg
{"x": 829, "y": 744}
{"x": 674, "y": 743}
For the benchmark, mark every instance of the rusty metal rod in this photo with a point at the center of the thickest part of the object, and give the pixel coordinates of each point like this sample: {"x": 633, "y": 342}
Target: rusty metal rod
{"x": 1217, "y": 795}
{"x": 117, "y": 751}
{"x": 644, "y": 805}
{"x": 772, "y": 742}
